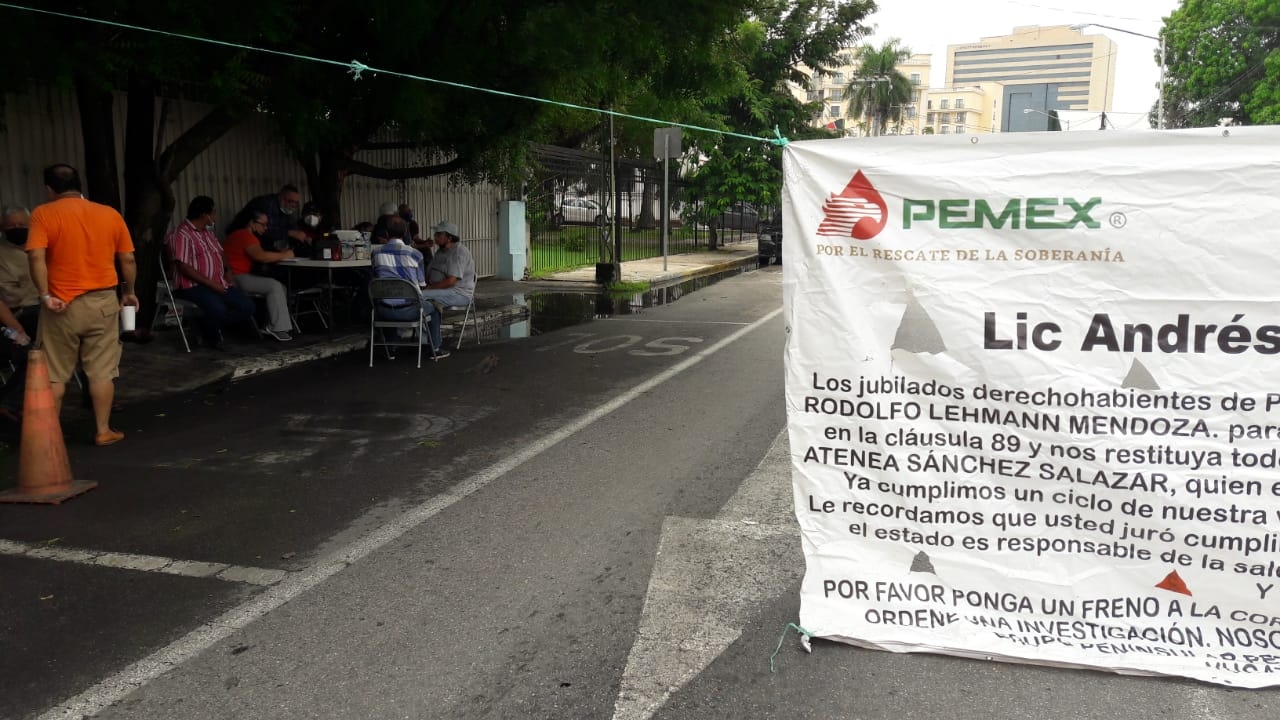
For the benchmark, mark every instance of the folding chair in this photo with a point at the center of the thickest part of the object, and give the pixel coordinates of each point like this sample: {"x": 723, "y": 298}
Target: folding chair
{"x": 307, "y": 302}
{"x": 468, "y": 313}
{"x": 253, "y": 319}
{"x": 381, "y": 289}
{"x": 174, "y": 308}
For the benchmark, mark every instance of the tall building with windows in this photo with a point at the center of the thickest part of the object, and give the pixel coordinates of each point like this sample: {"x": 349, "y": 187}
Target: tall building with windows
{"x": 1041, "y": 69}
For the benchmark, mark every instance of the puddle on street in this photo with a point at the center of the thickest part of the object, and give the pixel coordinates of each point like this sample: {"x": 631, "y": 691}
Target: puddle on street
{"x": 550, "y": 311}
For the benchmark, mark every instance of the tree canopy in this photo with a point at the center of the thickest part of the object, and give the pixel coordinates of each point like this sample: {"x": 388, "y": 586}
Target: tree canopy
{"x": 453, "y": 87}
{"x": 756, "y": 65}
{"x": 1223, "y": 62}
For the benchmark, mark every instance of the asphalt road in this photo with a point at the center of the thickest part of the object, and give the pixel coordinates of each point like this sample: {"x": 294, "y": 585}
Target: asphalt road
{"x": 591, "y": 523}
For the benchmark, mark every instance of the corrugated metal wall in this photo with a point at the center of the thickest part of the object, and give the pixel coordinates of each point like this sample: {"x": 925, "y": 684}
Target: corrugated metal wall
{"x": 44, "y": 127}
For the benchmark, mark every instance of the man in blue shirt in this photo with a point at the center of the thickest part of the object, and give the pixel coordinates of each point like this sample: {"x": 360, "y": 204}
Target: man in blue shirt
{"x": 395, "y": 259}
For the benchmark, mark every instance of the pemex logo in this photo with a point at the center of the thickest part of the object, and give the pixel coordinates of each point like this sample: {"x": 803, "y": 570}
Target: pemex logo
{"x": 858, "y": 212}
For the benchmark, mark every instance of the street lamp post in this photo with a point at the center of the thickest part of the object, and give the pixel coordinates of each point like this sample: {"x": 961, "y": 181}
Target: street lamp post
{"x": 1159, "y": 39}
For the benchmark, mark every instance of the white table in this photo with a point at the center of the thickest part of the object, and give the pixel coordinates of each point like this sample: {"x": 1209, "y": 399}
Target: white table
{"x": 328, "y": 266}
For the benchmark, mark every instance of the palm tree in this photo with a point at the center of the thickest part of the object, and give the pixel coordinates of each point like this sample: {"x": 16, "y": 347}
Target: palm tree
{"x": 879, "y": 90}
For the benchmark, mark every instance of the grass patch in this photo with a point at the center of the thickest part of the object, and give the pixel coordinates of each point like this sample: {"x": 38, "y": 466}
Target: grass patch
{"x": 627, "y": 289}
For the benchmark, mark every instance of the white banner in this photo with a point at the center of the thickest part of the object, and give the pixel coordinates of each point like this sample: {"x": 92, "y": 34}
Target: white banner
{"x": 1033, "y": 391}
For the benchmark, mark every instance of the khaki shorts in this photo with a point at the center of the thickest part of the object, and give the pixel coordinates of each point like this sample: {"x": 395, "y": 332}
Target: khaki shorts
{"x": 86, "y": 331}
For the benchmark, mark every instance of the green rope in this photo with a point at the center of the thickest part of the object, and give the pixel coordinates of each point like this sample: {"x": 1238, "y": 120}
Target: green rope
{"x": 789, "y": 626}
{"x": 357, "y": 68}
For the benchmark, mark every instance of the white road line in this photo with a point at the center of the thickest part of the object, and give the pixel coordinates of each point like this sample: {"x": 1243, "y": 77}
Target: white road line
{"x": 115, "y": 687}
{"x": 709, "y": 578}
{"x": 674, "y": 322}
{"x": 145, "y": 563}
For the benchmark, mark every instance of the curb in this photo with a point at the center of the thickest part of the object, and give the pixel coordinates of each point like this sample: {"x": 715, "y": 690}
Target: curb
{"x": 254, "y": 366}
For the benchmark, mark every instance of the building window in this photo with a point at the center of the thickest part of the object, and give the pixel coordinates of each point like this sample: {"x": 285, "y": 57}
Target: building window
{"x": 811, "y": 96}
{"x": 837, "y": 94}
{"x": 915, "y": 78}
{"x": 959, "y": 128}
{"x": 945, "y": 103}
{"x": 932, "y": 118}
{"x": 834, "y": 111}
{"x": 838, "y": 78}
{"x": 959, "y": 103}
{"x": 946, "y": 130}
{"x": 929, "y": 105}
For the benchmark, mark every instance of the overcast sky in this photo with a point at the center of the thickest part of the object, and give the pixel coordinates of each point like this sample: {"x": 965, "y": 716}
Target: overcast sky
{"x": 928, "y": 26}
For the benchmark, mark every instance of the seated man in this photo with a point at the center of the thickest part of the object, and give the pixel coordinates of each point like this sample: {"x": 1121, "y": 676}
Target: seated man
{"x": 451, "y": 276}
{"x": 312, "y": 229}
{"x": 394, "y": 259}
{"x": 21, "y": 302}
{"x": 203, "y": 275}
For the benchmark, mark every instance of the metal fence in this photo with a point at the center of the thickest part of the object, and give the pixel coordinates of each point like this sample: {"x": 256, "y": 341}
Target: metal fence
{"x": 43, "y": 127}
{"x": 578, "y": 217}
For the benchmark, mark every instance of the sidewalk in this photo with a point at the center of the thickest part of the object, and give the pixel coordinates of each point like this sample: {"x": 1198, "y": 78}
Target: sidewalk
{"x": 163, "y": 368}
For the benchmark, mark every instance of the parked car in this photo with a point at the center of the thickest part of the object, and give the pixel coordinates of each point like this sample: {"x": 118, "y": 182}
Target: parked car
{"x": 769, "y": 240}
{"x": 578, "y": 211}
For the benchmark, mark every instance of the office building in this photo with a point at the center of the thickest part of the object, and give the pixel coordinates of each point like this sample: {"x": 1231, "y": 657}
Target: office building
{"x": 1041, "y": 69}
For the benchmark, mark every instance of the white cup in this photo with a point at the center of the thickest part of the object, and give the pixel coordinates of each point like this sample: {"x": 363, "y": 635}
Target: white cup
{"x": 128, "y": 318}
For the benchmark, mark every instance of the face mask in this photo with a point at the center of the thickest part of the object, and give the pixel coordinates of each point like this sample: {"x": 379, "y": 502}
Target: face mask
{"x": 311, "y": 220}
{"x": 17, "y": 236}
{"x": 288, "y": 210}
{"x": 209, "y": 227}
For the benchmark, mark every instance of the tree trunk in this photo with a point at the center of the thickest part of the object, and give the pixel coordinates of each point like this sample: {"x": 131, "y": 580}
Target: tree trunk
{"x": 98, "y": 132}
{"x": 148, "y": 202}
{"x": 326, "y": 176}
{"x": 647, "y": 219}
{"x": 149, "y": 174}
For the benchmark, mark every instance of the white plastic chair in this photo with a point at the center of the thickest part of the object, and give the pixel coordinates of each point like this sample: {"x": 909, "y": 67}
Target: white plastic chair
{"x": 381, "y": 289}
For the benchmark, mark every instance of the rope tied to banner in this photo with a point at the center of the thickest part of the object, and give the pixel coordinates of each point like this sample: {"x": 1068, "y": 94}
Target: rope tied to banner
{"x": 790, "y": 626}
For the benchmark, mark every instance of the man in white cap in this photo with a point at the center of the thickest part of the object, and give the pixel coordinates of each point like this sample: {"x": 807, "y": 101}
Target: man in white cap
{"x": 451, "y": 276}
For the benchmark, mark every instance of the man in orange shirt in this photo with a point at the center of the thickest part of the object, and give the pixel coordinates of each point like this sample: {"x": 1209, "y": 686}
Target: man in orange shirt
{"x": 73, "y": 247}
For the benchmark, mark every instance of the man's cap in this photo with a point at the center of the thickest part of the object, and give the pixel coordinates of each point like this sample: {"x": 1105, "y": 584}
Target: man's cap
{"x": 444, "y": 226}
{"x": 388, "y": 208}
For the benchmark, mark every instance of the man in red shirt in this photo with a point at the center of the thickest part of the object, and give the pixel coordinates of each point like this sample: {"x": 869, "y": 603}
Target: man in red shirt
{"x": 203, "y": 276}
{"x": 73, "y": 247}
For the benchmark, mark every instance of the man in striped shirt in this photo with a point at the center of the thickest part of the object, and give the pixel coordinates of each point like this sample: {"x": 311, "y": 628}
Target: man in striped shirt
{"x": 203, "y": 276}
{"x": 395, "y": 259}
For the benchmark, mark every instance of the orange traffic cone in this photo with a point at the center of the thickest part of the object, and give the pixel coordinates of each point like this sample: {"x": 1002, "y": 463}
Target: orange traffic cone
{"x": 44, "y": 474}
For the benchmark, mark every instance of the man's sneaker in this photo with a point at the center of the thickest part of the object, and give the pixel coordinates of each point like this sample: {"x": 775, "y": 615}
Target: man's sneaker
{"x": 280, "y": 335}
{"x": 438, "y": 355}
